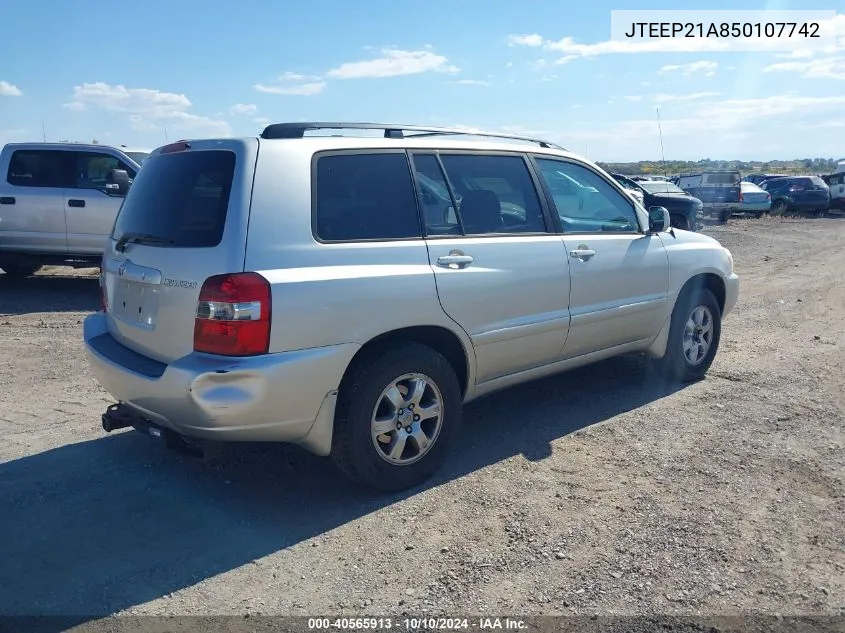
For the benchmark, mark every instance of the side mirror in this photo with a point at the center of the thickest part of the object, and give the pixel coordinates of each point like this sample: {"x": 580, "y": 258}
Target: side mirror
{"x": 658, "y": 220}
{"x": 117, "y": 182}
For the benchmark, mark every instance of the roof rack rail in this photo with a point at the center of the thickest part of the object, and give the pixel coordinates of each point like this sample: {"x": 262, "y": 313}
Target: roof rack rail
{"x": 297, "y": 130}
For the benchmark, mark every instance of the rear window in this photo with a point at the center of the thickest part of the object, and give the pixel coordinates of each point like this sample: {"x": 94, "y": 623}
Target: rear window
{"x": 182, "y": 198}
{"x": 721, "y": 179}
{"x": 818, "y": 182}
{"x": 364, "y": 197}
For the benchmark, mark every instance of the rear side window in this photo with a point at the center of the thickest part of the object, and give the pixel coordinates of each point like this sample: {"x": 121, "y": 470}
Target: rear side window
{"x": 722, "y": 179}
{"x": 41, "y": 168}
{"x": 182, "y": 198}
{"x": 364, "y": 197}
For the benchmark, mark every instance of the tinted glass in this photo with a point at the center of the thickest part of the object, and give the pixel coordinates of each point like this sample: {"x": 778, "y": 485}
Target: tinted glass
{"x": 585, "y": 201}
{"x": 41, "y": 168}
{"x": 92, "y": 169}
{"x": 364, "y": 197}
{"x": 722, "y": 179}
{"x": 495, "y": 194}
{"x": 435, "y": 200}
{"x": 181, "y": 197}
{"x": 661, "y": 187}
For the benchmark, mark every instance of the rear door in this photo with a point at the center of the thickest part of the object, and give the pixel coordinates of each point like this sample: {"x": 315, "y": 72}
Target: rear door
{"x": 619, "y": 274}
{"x": 32, "y": 207}
{"x": 501, "y": 271}
{"x": 185, "y": 219}
{"x": 90, "y": 211}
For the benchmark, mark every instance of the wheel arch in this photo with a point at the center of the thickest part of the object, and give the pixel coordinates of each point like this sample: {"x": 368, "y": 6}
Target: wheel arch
{"x": 439, "y": 338}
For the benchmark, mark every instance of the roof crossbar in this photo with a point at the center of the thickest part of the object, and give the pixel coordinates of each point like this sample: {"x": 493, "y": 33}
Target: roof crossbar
{"x": 297, "y": 130}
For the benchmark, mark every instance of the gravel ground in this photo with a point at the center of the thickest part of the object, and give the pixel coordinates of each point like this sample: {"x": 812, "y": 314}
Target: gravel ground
{"x": 601, "y": 491}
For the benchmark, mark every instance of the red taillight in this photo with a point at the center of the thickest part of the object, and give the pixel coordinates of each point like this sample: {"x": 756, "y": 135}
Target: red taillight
{"x": 233, "y": 315}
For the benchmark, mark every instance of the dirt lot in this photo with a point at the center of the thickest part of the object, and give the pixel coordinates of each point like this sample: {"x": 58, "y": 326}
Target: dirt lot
{"x": 600, "y": 491}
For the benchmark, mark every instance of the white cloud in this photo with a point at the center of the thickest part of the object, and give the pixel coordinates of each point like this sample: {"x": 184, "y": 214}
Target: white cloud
{"x": 833, "y": 28}
{"x": 533, "y": 40}
{"x": 823, "y": 68}
{"x": 471, "y": 82}
{"x": 262, "y": 120}
{"x": 694, "y": 96}
{"x": 146, "y": 108}
{"x": 708, "y": 68}
{"x": 300, "y": 90}
{"x": 243, "y": 108}
{"x": 393, "y": 63}
{"x": 9, "y": 90}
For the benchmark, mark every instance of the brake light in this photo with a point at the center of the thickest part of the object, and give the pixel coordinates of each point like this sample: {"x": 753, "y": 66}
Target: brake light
{"x": 179, "y": 146}
{"x": 233, "y": 315}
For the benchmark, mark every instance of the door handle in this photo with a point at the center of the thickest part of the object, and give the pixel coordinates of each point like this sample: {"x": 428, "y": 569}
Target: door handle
{"x": 7, "y": 200}
{"x": 455, "y": 261}
{"x": 76, "y": 203}
{"x": 582, "y": 253}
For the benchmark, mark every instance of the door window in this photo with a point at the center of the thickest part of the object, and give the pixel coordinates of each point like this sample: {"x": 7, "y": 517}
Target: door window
{"x": 586, "y": 202}
{"x": 40, "y": 168}
{"x": 493, "y": 194}
{"x": 93, "y": 167}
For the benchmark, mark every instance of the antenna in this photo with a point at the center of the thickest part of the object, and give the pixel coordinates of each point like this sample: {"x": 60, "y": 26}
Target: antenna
{"x": 43, "y": 132}
{"x": 662, "y": 153}
{"x": 165, "y": 134}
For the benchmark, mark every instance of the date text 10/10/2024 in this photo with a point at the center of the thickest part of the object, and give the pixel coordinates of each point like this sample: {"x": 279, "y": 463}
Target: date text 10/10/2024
{"x": 410, "y": 624}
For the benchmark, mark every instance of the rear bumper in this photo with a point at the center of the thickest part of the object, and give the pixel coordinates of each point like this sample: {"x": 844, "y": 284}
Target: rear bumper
{"x": 275, "y": 397}
{"x": 731, "y": 293}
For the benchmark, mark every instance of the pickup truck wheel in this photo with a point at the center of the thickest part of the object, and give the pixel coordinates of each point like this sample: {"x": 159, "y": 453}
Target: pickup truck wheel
{"x": 694, "y": 333}
{"x": 399, "y": 412}
{"x": 19, "y": 270}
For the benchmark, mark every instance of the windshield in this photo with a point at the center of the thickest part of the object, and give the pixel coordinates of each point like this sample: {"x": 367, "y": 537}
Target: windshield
{"x": 654, "y": 186}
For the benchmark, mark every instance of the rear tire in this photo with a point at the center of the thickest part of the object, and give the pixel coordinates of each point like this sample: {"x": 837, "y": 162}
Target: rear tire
{"x": 694, "y": 334}
{"x": 19, "y": 270}
{"x": 379, "y": 439}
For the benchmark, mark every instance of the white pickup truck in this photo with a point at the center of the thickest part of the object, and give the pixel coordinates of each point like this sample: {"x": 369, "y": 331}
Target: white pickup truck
{"x": 58, "y": 202}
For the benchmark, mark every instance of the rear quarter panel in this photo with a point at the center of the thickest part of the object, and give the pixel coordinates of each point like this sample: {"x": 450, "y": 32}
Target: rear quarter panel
{"x": 329, "y": 294}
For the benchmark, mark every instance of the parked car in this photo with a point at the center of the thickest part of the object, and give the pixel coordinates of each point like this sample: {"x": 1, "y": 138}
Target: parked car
{"x": 58, "y": 202}
{"x": 718, "y": 190}
{"x": 685, "y": 211}
{"x": 759, "y": 178}
{"x": 752, "y": 200}
{"x": 836, "y": 183}
{"x": 343, "y": 309}
{"x": 808, "y": 194}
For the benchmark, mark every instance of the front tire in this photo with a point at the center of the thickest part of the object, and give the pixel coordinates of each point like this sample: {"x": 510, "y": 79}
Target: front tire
{"x": 399, "y": 413}
{"x": 694, "y": 334}
{"x": 778, "y": 208}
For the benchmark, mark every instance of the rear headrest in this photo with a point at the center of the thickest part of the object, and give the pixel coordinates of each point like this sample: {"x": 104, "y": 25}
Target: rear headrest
{"x": 481, "y": 211}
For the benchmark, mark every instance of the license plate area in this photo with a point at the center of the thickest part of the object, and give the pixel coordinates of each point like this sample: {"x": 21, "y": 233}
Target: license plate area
{"x": 135, "y": 303}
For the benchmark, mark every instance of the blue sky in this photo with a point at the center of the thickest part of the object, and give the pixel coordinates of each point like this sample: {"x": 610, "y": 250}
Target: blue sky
{"x": 139, "y": 75}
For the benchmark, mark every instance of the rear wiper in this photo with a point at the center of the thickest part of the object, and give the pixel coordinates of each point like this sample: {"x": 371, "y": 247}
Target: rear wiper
{"x": 139, "y": 238}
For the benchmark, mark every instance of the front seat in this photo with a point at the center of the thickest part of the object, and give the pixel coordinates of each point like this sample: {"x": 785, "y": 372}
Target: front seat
{"x": 481, "y": 212}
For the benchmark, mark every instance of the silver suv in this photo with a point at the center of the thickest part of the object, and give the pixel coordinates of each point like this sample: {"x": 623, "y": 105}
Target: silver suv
{"x": 349, "y": 294}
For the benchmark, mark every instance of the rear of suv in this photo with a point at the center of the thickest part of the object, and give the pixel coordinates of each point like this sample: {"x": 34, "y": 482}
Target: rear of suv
{"x": 350, "y": 294}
